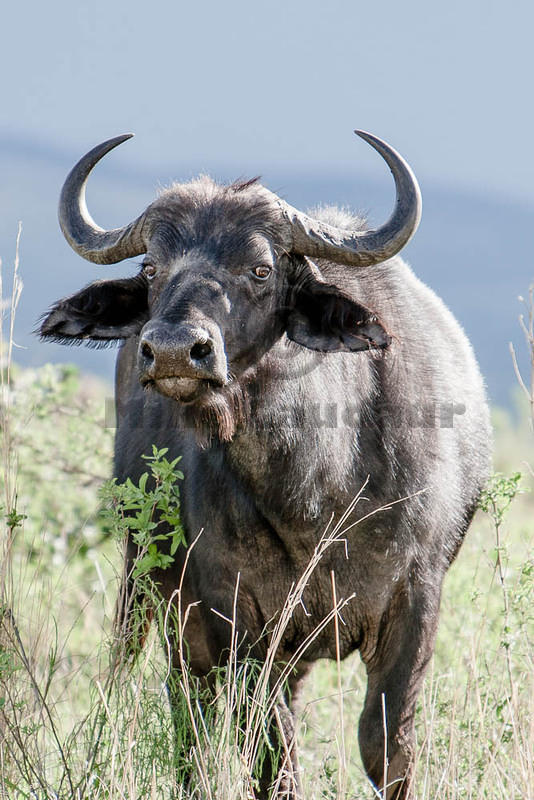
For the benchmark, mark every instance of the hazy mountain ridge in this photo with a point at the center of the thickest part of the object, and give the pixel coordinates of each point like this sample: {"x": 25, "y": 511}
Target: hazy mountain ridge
{"x": 474, "y": 251}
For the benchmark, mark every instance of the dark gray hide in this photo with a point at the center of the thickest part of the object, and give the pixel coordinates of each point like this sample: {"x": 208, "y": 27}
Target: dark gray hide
{"x": 285, "y": 384}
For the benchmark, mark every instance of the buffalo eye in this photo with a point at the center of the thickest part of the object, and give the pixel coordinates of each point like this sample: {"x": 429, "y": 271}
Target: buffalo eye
{"x": 149, "y": 270}
{"x": 262, "y": 272}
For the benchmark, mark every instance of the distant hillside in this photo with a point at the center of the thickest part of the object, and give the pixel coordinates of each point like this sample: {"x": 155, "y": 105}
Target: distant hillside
{"x": 474, "y": 251}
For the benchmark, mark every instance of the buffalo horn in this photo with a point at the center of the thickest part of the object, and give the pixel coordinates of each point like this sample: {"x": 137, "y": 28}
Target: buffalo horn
{"x": 362, "y": 248}
{"x": 308, "y": 236}
{"x": 82, "y": 233}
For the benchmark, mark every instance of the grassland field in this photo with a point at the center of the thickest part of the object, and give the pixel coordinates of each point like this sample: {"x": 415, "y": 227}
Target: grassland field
{"x": 69, "y": 728}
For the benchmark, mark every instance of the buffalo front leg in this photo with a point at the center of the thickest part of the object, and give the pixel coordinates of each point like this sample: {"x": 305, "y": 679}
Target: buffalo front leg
{"x": 395, "y": 671}
{"x": 278, "y": 776}
{"x": 189, "y": 696}
{"x": 190, "y": 680}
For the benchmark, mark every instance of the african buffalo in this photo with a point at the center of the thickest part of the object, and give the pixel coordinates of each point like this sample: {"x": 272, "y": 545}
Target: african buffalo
{"x": 286, "y": 383}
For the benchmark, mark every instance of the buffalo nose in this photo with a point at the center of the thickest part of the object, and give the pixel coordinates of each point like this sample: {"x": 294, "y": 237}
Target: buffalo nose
{"x": 185, "y": 353}
{"x": 199, "y": 351}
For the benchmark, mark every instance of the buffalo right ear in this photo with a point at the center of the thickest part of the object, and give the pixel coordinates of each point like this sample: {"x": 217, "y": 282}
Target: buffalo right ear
{"x": 102, "y": 312}
{"x": 323, "y": 317}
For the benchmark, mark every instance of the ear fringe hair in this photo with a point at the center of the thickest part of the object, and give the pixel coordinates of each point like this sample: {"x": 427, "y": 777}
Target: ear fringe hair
{"x": 92, "y": 344}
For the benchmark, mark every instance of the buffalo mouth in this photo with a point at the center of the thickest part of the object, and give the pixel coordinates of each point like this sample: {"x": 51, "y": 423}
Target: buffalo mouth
{"x": 183, "y": 390}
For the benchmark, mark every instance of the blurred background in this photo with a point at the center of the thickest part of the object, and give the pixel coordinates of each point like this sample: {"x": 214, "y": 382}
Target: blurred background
{"x": 240, "y": 89}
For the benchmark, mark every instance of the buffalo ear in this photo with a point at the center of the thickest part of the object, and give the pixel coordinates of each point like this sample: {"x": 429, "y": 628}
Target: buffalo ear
{"x": 324, "y": 318}
{"x": 102, "y": 312}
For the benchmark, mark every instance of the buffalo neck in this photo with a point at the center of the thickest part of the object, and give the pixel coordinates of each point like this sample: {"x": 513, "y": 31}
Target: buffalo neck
{"x": 297, "y": 448}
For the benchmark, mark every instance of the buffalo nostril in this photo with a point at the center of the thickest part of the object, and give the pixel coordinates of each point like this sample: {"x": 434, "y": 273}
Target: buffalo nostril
{"x": 146, "y": 351}
{"x": 200, "y": 350}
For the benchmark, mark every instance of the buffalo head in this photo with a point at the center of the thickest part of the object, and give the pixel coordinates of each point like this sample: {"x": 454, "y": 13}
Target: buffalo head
{"x": 227, "y": 272}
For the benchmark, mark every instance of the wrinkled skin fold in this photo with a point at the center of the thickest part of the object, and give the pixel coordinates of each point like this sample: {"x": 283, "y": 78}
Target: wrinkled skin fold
{"x": 291, "y": 360}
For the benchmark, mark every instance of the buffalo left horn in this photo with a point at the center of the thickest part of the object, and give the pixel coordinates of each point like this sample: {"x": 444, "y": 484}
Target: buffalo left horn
{"x": 80, "y": 230}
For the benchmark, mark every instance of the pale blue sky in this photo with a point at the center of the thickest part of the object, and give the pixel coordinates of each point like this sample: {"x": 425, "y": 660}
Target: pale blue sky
{"x": 205, "y": 84}
{"x": 241, "y": 88}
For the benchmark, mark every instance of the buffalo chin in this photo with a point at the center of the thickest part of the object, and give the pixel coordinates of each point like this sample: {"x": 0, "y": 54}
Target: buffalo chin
{"x": 211, "y": 409}
{"x": 184, "y": 390}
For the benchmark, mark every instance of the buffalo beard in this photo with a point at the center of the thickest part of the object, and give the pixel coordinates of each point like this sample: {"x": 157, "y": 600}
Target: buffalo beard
{"x": 218, "y": 413}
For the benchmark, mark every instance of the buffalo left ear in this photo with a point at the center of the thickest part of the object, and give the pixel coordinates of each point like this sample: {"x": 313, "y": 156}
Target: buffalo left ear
{"x": 323, "y": 318}
{"x": 104, "y": 311}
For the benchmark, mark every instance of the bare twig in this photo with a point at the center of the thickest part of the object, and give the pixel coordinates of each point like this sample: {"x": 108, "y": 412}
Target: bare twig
{"x": 527, "y": 326}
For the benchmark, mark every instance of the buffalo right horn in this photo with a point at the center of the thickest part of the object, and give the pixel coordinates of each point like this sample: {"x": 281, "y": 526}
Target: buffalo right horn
{"x": 80, "y": 230}
{"x": 313, "y": 238}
